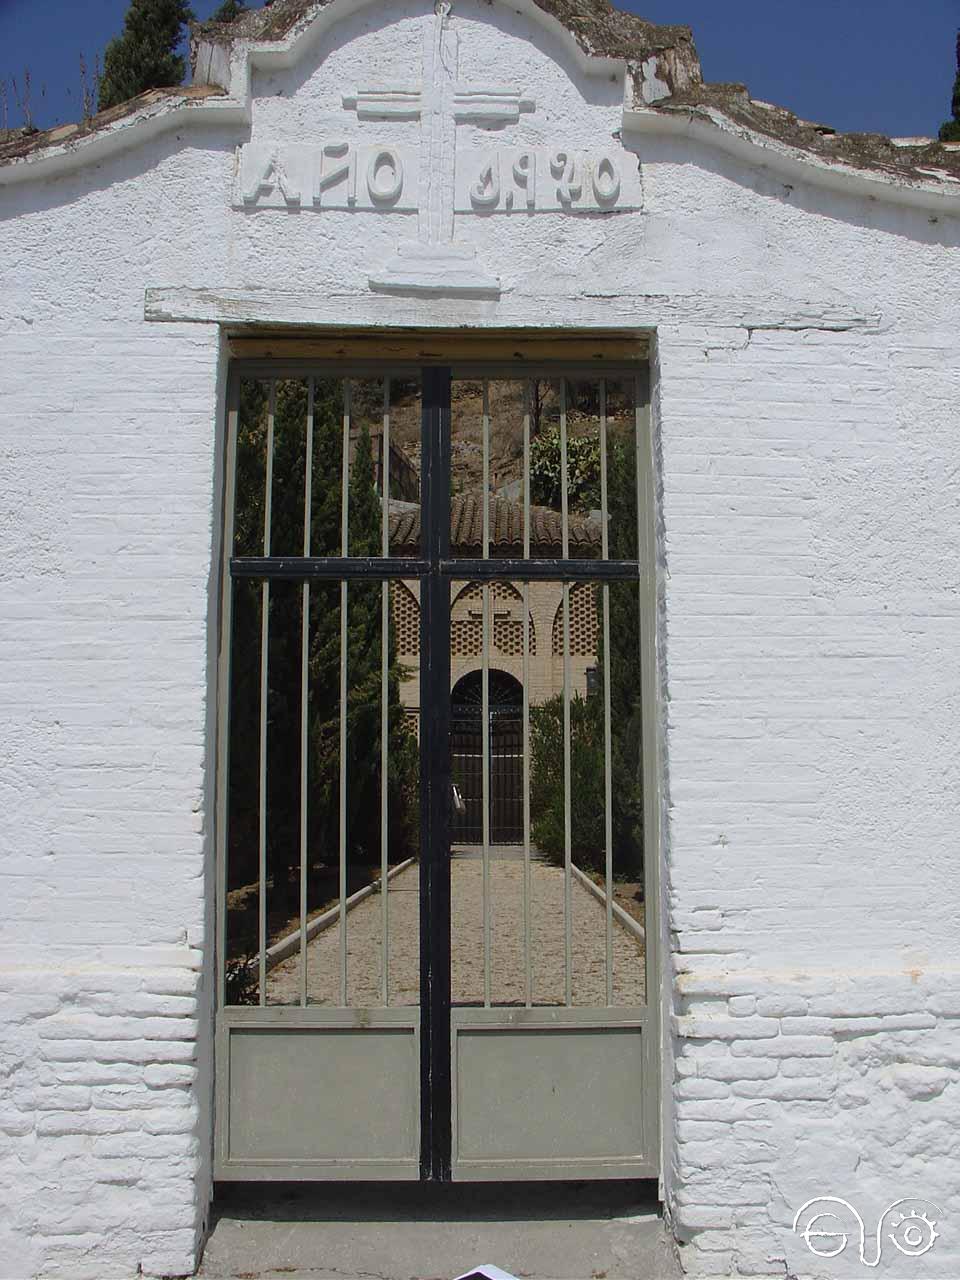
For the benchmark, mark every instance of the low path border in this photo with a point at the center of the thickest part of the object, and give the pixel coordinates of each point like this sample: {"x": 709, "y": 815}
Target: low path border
{"x": 287, "y": 946}
{"x": 624, "y": 917}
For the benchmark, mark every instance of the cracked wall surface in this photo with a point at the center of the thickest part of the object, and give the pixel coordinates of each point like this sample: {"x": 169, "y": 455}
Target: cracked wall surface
{"x": 807, "y": 378}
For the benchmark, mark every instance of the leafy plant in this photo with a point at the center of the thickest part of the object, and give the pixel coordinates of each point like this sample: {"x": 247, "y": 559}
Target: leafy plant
{"x": 229, "y": 11}
{"x": 583, "y": 471}
{"x": 587, "y": 780}
{"x": 241, "y": 979}
{"x": 587, "y": 718}
{"x": 363, "y": 654}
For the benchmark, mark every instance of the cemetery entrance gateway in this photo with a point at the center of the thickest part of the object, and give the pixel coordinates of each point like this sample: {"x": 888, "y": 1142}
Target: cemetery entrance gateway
{"x": 387, "y": 1010}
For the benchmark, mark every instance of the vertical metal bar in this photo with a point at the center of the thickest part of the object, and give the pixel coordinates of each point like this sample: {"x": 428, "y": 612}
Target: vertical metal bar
{"x": 525, "y": 746}
{"x": 385, "y": 705}
{"x": 485, "y": 789}
{"x": 485, "y": 429}
{"x": 604, "y": 512}
{"x": 264, "y": 666}
{"x": 485, "y": 698}
{"x": 655, "y": 942}
{"x": 305, "y": 691}
{"x": 223, "y": 681}
{"x": 435, "y": 1091}
{"x": 607, "y": 735}
{"x": 567, "y": 779}
{"x": 646, "y": 554}
{"x": 564, "y": 475}
{"x": 344, "y": 551}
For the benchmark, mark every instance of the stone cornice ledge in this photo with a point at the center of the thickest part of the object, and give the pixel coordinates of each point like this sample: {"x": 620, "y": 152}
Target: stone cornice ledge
{"x": 597, "y": 309}
{"x": 940, "y": 193}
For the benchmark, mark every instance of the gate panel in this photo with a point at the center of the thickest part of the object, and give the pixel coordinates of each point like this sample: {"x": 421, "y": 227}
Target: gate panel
{"x": 319, "y": 1024}
{"x": 320, "y": 1129}
{"x": 554, "y": 1052}
{"x": 549, "y": 1095}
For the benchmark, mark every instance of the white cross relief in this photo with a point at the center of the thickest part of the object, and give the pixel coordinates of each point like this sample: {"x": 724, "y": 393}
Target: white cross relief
{"x": 433, "y": 263}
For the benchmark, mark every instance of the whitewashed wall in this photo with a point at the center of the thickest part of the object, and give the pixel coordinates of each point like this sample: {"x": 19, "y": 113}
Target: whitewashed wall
{"x": 809, "y": 378}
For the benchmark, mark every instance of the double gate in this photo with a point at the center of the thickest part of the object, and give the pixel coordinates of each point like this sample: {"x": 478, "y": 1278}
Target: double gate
{"x": 385, "y": 1011}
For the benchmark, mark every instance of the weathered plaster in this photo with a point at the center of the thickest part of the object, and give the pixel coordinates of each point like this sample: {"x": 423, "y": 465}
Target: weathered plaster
{"x": 807, "y": 373}
{"x": 662, "y": 91}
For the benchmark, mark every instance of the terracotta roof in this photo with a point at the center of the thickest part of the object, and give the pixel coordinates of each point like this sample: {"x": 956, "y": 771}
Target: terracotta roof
{"x": 506, "y": 529}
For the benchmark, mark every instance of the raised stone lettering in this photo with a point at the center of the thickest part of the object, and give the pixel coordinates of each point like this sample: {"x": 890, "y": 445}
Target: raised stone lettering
{"x": 263, "y": 173}
{"x": 569, "y": 183}
{"x": 525, "y": 175}
{"x": 485, "y": 192}
{"x": 329, "y": 177}
{"x": 606, "y": 181}
{"x": 541, "y": 180}
{"x": 385, "y": 192}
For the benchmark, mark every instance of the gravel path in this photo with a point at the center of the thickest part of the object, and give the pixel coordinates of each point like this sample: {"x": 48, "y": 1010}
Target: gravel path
{"x": 364, "y": 944}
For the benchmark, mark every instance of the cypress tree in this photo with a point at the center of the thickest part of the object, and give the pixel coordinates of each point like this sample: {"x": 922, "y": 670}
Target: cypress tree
{"x": 145, "y": 55}
{"x": 626, "y": 712}
{"x": 229, "y": 11}
{"x": 950, "y": 131}
{"x": 363, "y": 657}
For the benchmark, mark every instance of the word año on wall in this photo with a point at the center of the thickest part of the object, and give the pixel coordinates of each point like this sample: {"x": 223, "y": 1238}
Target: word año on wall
{"x": 342, "y": 175}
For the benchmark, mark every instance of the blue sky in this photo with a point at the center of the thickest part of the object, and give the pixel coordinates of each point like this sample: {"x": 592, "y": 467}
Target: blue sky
{"x": 881, "y": 66}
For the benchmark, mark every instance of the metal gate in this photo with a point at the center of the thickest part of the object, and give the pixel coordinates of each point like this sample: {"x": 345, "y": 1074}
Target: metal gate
{"x": 386, "y": 1010}
{"x": 504, "y": 793}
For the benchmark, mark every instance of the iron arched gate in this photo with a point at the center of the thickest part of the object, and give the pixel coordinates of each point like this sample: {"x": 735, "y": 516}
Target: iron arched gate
{"x": 505, "y": 759}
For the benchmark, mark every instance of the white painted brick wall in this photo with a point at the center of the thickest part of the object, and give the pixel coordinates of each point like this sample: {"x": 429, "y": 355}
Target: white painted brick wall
{"x": 810, "y": 627}
{"x": 99, "y": 1117}
{"x": 810, "y": 623}
{"x": 103, "y": 678}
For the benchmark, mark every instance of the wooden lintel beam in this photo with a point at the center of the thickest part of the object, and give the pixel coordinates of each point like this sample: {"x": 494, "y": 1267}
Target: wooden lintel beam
{"x": 444, "y": 348}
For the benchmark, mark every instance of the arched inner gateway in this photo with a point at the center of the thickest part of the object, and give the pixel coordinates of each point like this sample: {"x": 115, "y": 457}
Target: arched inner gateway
{"x": 505, "y": 795}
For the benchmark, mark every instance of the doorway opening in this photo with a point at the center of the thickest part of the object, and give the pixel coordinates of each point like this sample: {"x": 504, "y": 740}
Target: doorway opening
{"x": 504, "y": 798}
{"x": 438, "y": 579}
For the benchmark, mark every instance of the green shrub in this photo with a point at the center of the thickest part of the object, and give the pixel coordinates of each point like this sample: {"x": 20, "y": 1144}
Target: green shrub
{"x": 586, "y": 719}
{"x": 583, "y": 471}
{"x": 586, "y": 777}
{"x": 587, "y": 781}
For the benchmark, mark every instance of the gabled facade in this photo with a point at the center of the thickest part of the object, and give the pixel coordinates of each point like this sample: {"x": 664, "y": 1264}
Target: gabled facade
{"x": 538, "y": 181}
